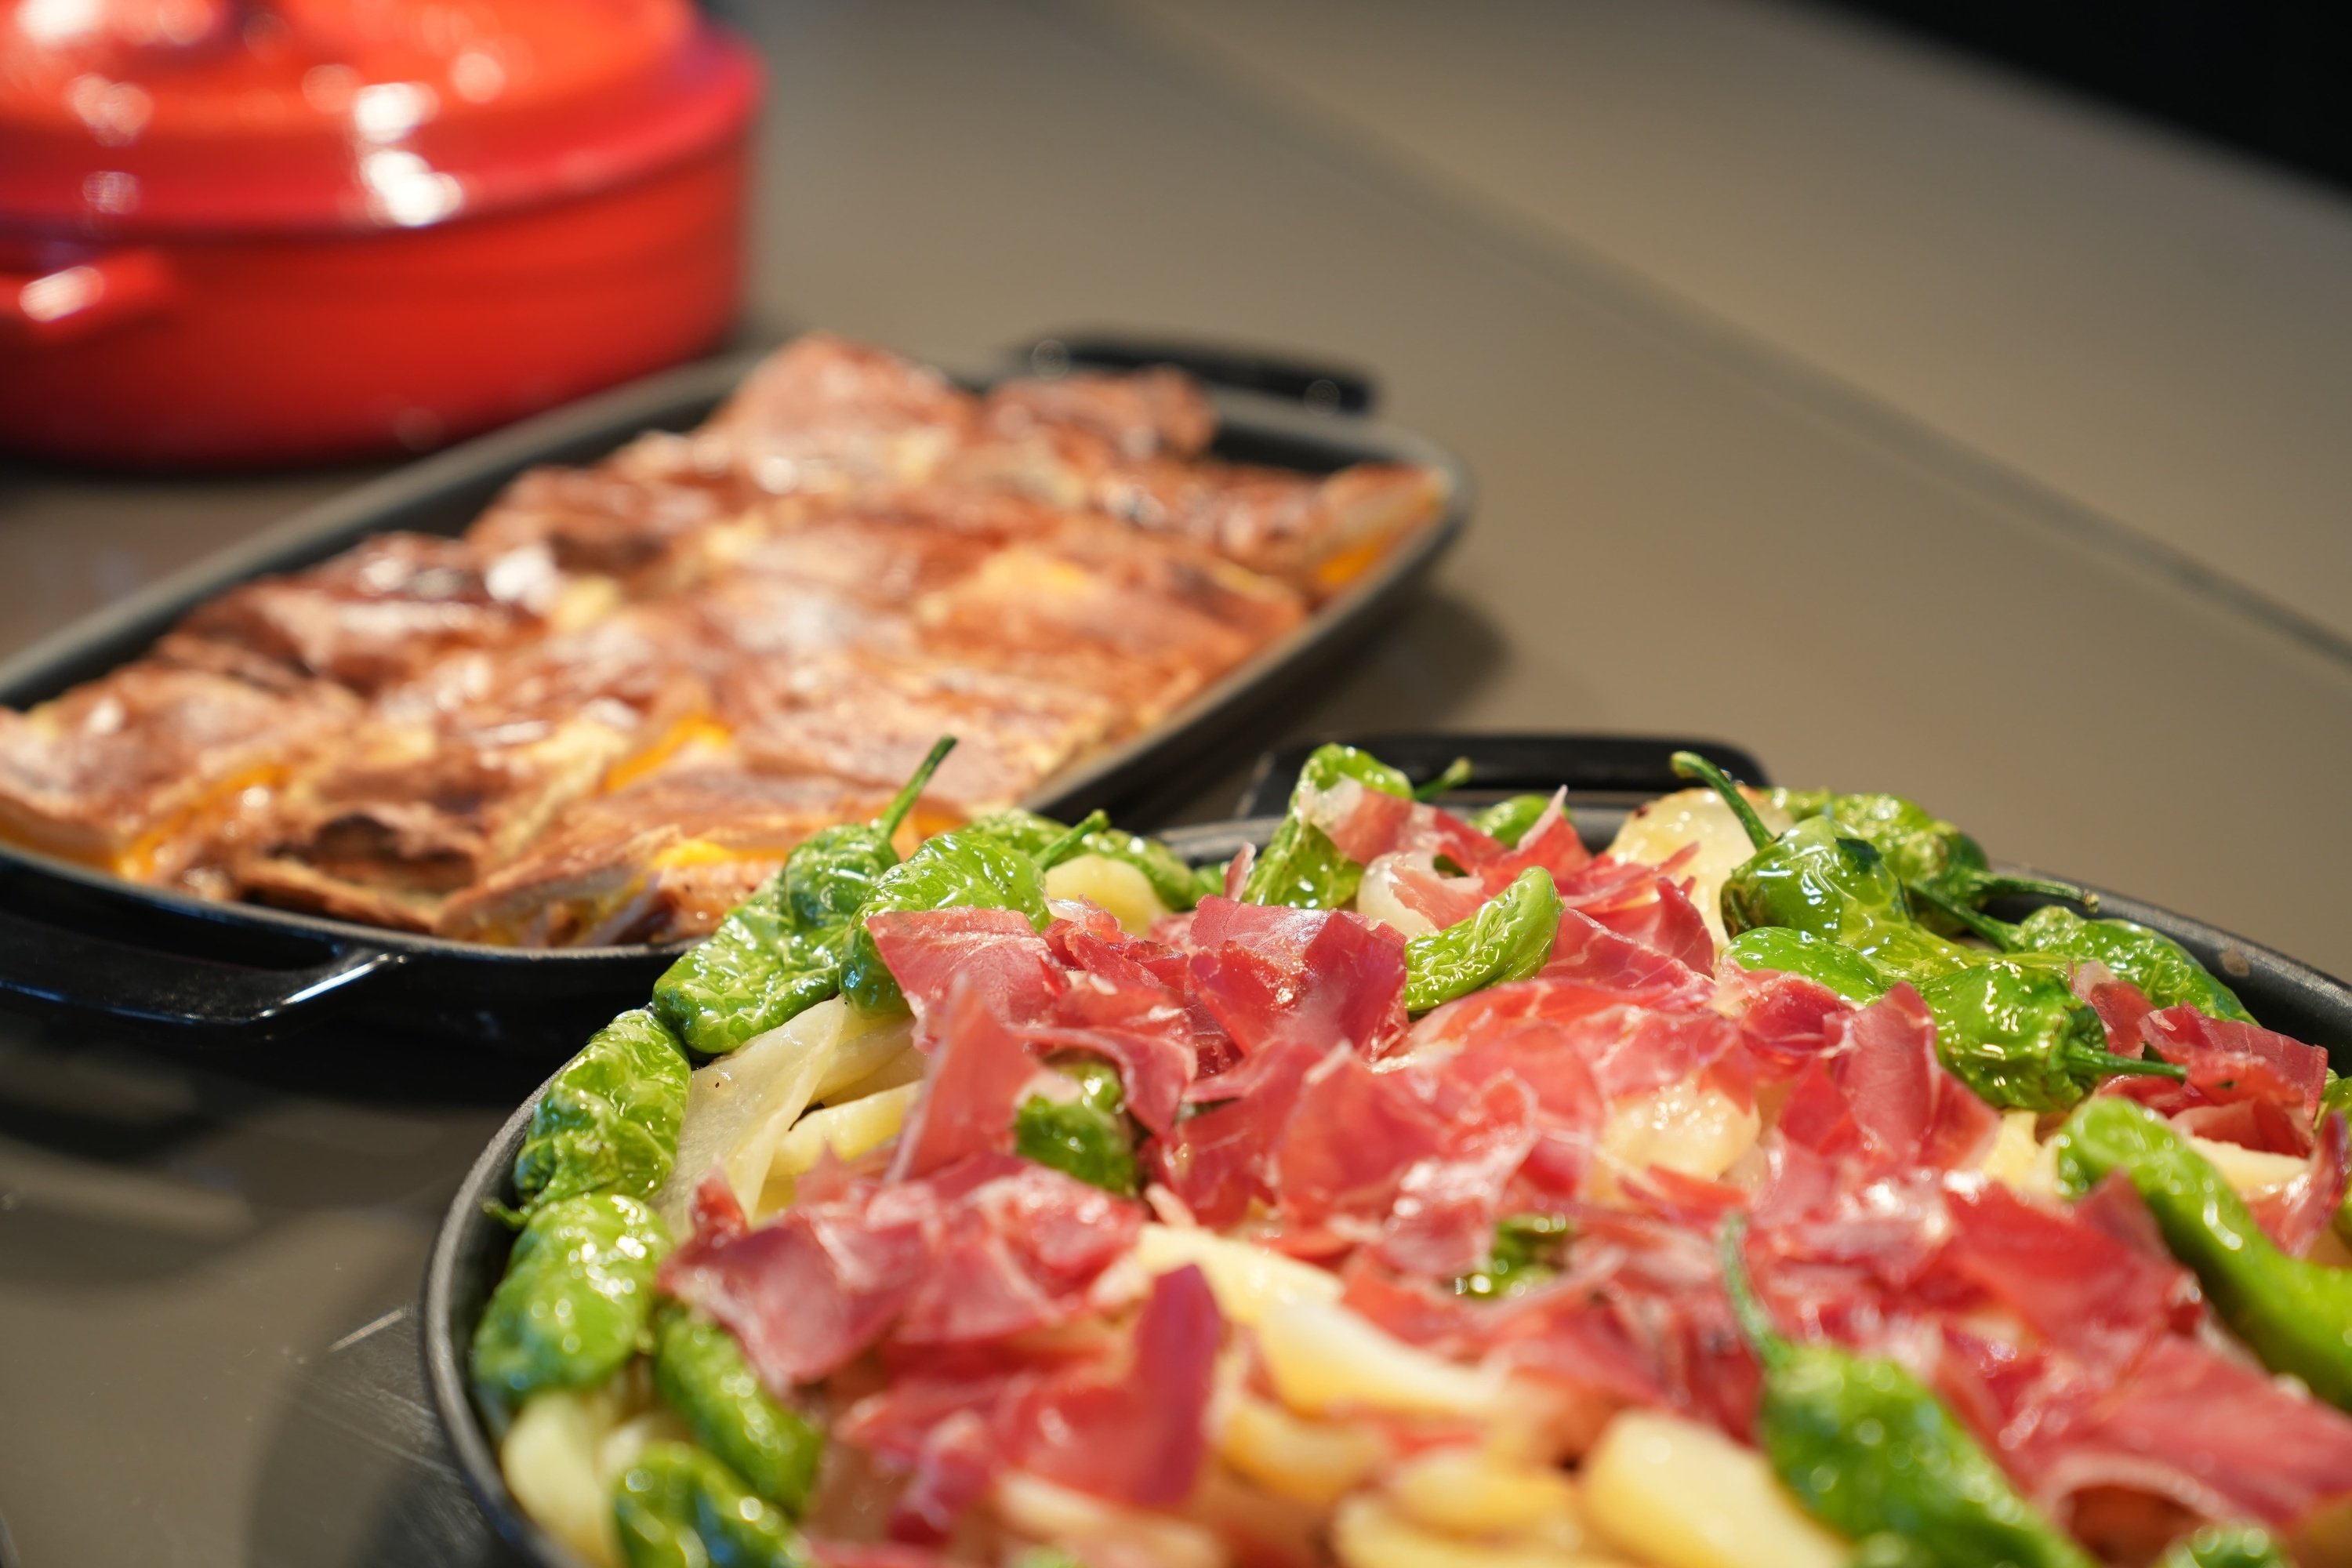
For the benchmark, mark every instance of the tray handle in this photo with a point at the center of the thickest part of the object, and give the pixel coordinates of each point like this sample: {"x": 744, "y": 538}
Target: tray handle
{"x": 1587, "y": 764}
{"x": 60, "y": 967}
{"x": 1327, "y": 388}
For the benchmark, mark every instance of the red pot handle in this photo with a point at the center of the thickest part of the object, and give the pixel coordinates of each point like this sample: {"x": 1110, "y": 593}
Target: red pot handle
{"x": 102, "y": 290}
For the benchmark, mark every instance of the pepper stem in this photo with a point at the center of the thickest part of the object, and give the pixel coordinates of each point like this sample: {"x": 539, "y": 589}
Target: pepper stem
{"x": 1755, "y": 1322}
{"x": 1456, "y": 775}
{"x": 1991, "y": 887}
{"x": 887, "y": 825}
{"x": 2113, "y": 1066}
{"x": 2001, "y": 934}
{"x": 1691, "y": 766}
{"x": 1069, "y": 842}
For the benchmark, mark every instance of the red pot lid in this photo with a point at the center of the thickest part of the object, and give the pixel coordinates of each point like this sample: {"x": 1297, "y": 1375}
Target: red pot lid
{"x": 146, "y": 117}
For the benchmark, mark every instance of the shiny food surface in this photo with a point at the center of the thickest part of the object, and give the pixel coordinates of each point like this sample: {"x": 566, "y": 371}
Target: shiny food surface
{"x": 215, "y": 1266}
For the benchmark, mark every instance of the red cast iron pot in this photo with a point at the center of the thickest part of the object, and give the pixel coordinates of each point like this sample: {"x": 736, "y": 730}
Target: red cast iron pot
{"x": 239, "y": 233}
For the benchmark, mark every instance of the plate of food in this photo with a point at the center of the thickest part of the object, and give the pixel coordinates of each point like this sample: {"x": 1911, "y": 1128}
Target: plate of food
{"x": 488, "y": 741}
{"x": 1739, "y": 1178}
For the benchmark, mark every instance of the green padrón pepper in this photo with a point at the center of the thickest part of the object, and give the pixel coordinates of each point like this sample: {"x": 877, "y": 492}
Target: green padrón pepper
{"x": 757, "y": 970}
{"x": 1508, "y": 821}
{"x": 2009, "y": 1027}
{"x": 1817, "y": 958}
{"x": 2013, "y": 1030}
{"x": 1816, "y": 879}
{"x": 1870, "y": 1452}
{"x": 957, "y": 871}
{"x": 700, "y": 1373}
{"x": 2226, "y": 1546}
{"x": 572, "y": 1307}
{"x": 677, "y": 1507}
{"x": 2296, "y": 1315}
{"x": 1452, "y": 776}
{"x": 1527, "y": 1251}
{"x": 1301, "y": 867}
{"x": 830, "y": 875}
{"x": 1088, "y": 1136}
{"x": 610, "y": 1120}
{"x": 780, "y": 951}
{"x": 2166, "y": 972}
{"x": 1508, "y": 937}
{"x": 1176, "y": 884}
{"x": 1922, "y": 848}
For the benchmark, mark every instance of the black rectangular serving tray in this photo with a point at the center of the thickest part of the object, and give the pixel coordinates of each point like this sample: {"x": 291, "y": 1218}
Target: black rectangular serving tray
{"x": 81, "y": 939}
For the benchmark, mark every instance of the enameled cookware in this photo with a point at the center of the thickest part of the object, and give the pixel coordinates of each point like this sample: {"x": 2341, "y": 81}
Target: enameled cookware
{"x": 244, "y": 231}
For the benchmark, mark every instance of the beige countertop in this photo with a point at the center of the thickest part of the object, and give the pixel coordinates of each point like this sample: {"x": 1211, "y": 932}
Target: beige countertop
{"x": 1910, "y": 427}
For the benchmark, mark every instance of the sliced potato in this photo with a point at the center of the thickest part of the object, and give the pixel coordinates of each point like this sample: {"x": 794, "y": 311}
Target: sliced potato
{"x": 849, "y": 1130}
{"x": 1679, "y": 1494}
{"x": 1307, "y": 1461}
{"x": 907, "y": 1066}
{"x": 1117, "y": 885}
{"x": 2015, "y": 1160}
{"x": 1367, "y": 1531}
{"x": 2251, "y": 1171}
{"x": 1471, "y": 1492}
{"x": 1091, "y": 1530}
{"x": 1248, "y": 1280}
{"x": 1322, "y": 1357}
{"x": 1664, "y": 827}
{"x": 1690, "y": 1127}
{"x": 863, "y": 1043}
{"x": 738, "y": 1108}
{"x": 550, "y": 1464}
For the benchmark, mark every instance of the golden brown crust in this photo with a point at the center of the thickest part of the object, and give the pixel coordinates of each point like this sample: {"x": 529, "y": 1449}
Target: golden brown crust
{"x": 606, "y": 712}
{"x": 140, "y": 770}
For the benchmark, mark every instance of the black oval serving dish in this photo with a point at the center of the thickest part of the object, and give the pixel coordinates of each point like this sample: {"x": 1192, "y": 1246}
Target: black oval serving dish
{"x": 78, "y": 938}
{"x": 469, "y": 1252}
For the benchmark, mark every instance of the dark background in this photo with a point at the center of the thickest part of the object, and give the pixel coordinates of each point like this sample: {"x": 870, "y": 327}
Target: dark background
{"x": 2269, "y": 78}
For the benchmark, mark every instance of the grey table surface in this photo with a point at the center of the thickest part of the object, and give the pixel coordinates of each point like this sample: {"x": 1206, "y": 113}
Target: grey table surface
{"x": 1914, "y": 429}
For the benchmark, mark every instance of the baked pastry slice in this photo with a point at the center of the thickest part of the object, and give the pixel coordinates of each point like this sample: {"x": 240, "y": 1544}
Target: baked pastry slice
{"x": 156, "y": 770}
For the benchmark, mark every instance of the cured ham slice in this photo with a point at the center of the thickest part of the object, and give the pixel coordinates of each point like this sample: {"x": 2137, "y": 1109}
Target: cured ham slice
{"x": 2119, "y": 1003}
{"x": 1132, "y": 1434}
{"x": 980, "y": 1069}
{"x": 2246, "y": 1084}
{"x": 2207, "y": 1432}
{"x": 1084, "y": 986}
{"x": 2296, "y": 1215}
{"x": 1550, "y": 842}
{"x": 1585, "y": 950}
{"x": 1880, "y": 1099}
{"x": 995, "y": 954}
{"x": 1365, "y": 823}
{"x": 2099, "y": 1299}
{"x": 806, "y": 1294}
{"x": 1643, "y": 905}
{"x": 1785, "y": 1020}
{"x": 1442, "y": 1218}
{"x": 1271, "y": 975}
{"x": 986, "y": 1247}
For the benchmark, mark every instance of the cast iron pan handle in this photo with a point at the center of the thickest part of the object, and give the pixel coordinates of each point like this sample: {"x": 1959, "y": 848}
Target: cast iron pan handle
{"x": 60, "y": 967}
{"x": 1508, "y": 764}
{"x": 1331, "y": 389}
